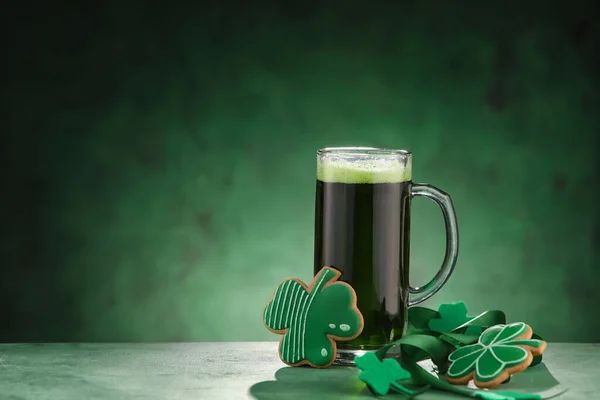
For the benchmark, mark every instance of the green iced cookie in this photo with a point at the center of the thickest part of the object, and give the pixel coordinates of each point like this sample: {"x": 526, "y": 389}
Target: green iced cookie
{"x": 502, "y": 351}
{"x": 312, "y": 318}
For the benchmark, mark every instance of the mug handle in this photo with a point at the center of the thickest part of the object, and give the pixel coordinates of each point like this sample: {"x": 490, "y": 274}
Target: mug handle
{"x": 420, "y": 294}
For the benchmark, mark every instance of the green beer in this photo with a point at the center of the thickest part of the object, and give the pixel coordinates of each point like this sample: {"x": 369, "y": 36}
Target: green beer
{"x": 362, "y": 228}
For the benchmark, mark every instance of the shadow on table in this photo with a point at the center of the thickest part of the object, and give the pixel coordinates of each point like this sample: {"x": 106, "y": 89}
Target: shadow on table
{"x": 305, "y": 382}
{"x": 535, "y": 379}
{"x": 343, "y": 383}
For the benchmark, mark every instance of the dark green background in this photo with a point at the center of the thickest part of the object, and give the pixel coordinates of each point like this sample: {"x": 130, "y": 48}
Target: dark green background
{"x": 158, "y": 162}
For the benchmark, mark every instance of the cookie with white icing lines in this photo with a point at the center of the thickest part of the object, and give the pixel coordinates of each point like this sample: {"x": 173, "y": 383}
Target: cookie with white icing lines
{"x": 501, "y": 351}
{"x": 313, "y": 318}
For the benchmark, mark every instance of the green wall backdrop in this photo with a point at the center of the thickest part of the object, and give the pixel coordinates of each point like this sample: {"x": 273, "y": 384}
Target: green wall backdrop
{"x": 158, "y": 162}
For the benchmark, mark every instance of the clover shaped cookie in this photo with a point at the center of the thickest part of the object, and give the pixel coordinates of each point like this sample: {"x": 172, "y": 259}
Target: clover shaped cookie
{"x": 502, "y": 351}
{"x": 312, "y": 318}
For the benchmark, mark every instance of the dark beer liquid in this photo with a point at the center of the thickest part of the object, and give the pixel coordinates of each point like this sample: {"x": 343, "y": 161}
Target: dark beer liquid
{"x": 362, "y": 229}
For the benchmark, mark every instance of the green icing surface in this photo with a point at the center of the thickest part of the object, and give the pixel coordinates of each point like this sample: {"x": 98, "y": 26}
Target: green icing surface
{"x": 308, "y": 317}
{"x": 363, "y": 171}
{"x": 498, "y": 348}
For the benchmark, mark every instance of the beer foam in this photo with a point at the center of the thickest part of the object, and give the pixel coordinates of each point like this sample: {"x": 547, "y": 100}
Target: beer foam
{"x": 363, "y": 170}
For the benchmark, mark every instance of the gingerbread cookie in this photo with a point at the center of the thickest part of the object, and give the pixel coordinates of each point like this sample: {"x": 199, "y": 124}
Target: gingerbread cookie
{"x": 502, "y": 351}
{"x": 312, "y": 318}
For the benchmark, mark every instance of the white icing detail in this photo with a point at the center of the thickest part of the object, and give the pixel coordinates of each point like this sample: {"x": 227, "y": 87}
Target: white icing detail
{"x": 490, "y": 347}
{"x": 324, "y": 352}
{"x": 345, "y": 327}
{"x": 291, "y": 341}
{"x": 301, "y": 326}
{"x": 276, "y": 305}
{"x": 289, "y": 309}
{"x": 296, "y": 340}
{"x": 298, "y": 350}
{"x": 286, "y": 290}
{"x": 332, "y": 326}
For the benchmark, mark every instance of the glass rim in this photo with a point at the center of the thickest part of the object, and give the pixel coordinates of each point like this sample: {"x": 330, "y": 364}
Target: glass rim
{"x": 361, "y": 150}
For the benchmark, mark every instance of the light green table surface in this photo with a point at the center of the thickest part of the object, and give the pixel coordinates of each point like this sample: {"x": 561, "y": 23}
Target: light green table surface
{"x": 251, "y": 370}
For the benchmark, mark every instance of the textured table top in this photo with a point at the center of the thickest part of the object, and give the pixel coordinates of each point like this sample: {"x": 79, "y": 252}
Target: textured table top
{"x": 248, "y": 370}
